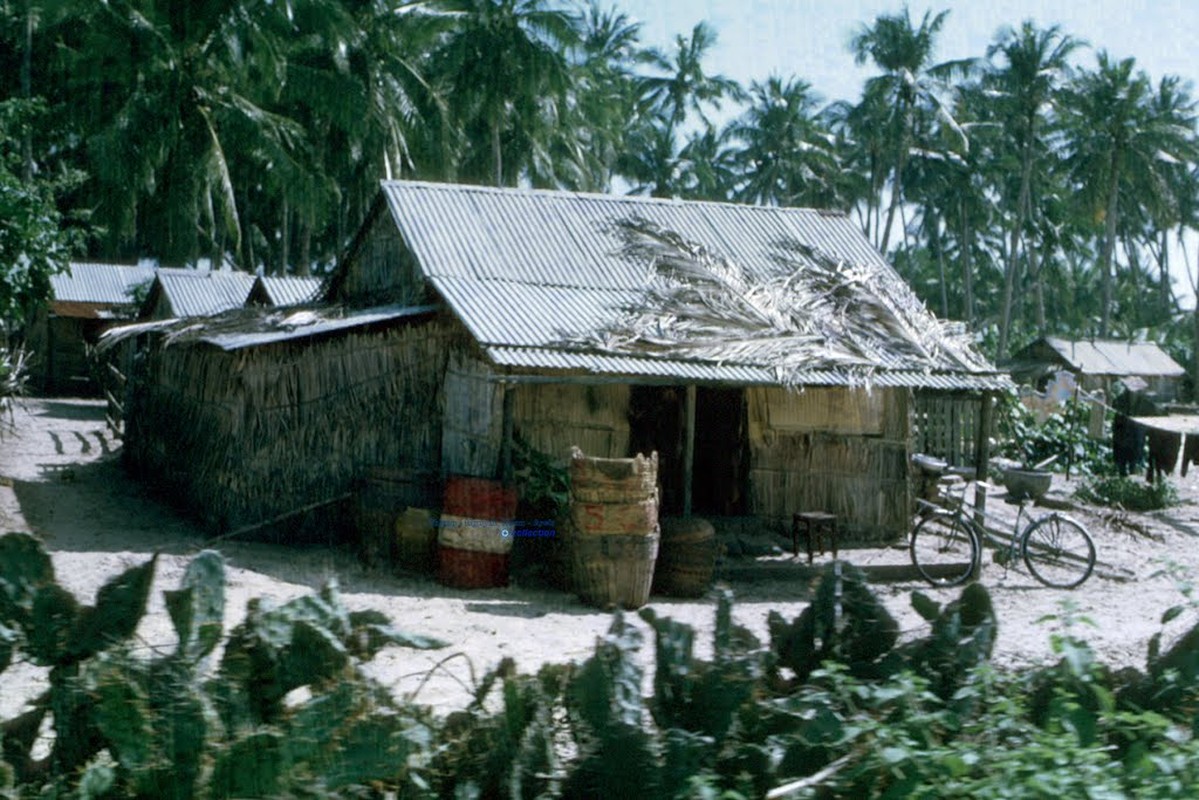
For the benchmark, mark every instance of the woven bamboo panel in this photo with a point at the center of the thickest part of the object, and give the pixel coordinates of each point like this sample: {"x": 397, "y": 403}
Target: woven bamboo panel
{"x": 242, "y": 436}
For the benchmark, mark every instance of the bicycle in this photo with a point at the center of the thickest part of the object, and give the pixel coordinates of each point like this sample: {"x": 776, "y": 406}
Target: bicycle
{"x": 946, "y": 544}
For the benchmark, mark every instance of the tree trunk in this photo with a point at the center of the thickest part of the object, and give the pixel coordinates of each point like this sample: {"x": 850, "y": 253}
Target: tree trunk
{"x": 967, "y": 246}
{"x": 1167, "y": 292}
{"x": 1012, "y": 265}
{"x": 27, "y": 92}
{"x": 1036, "y": 269}
{"x": 1109, "y": 245}
{"x": 305, "y": 266}
{"x": 284, "y": 239}
{"x": 497, "y": 155}
{"x": 896, "y": 194}
{"x": 897, "y": 180}
{"x": 935, "y": 234}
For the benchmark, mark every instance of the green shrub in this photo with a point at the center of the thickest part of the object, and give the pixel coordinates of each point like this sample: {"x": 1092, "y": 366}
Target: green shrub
{"x": 1063, "y": 434}
{"x": 1128, "y": 493}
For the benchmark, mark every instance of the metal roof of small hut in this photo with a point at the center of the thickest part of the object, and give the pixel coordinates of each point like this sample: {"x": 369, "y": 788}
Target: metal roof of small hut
{"x": 284, "y": 290}
{"x": 548, "y": 280}
{"x": 91, "y": 289}
{"x": 198, "y": 293}
{"x": 1110, "y": 357}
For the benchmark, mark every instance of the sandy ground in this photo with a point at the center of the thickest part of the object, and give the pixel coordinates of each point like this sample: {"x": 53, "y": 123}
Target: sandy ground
{"x": 60, "y": 477}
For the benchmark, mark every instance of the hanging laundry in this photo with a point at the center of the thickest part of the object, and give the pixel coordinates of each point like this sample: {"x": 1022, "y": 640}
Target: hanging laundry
{"x": 1163, "y": 453}
{"x": 1190, "y": 452}
{"x": 1128, "y": 438}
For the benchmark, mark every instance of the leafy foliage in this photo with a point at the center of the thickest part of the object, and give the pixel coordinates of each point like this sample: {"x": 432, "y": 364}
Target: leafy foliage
{"x": 1130, "y": 494}
{"x": 1063, "y": 435}
{"x": 172, "y": 732}
{"x": 873, "y": 718}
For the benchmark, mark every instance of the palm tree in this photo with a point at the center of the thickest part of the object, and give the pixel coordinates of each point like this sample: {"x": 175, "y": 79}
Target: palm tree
{"x": 1116, "y": 141}
{"x": 707, "y": 166}
{"x": 684, "y": 86}
{"x": 1020, "y": 90}
{"x": 605, "y": 98}
{"x": 655, "y": 161}
{"x": 787, "y": 154}
{"x": 503, "y": 64}
{"x": 907, "y": 89}
{"x": 161, "y": 97}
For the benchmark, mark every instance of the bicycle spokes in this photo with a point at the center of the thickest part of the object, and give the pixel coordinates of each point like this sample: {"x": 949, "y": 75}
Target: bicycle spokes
{"x": 944, "y": 550}
{"x": 1058, "y": 552}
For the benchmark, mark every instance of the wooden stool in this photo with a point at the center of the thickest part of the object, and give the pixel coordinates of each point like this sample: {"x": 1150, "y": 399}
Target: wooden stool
{"x": 816, "y": 524}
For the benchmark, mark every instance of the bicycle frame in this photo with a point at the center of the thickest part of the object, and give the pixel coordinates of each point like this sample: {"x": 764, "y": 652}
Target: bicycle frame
{"x": 968, "y": 515}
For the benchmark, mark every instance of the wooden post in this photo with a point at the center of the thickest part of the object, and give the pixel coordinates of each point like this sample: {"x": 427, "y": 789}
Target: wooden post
{"x": 506, "y": 426}
{"x": 982, "y": 452}
{"x": 688, "y": 447}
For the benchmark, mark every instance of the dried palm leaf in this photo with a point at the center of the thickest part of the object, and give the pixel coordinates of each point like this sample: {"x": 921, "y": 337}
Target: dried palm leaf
{"x": 819, "y": 314}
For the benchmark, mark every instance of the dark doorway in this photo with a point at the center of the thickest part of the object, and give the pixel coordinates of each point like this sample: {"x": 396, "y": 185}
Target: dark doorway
{"x": 721, "y": 466}
{"x": 721, "y": 453}
{"x": 656, "y": 424}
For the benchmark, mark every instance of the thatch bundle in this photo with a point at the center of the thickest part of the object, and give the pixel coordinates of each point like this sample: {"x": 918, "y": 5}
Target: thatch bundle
{"x": 815, "y": 313}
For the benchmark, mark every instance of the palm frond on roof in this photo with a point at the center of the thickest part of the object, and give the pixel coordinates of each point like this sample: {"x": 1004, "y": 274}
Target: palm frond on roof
{"x": 821, "y": 313}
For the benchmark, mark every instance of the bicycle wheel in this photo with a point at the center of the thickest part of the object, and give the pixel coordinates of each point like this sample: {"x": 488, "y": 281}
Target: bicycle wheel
{"x": 944, "y": 550}
{"x": 1058, "y": 551}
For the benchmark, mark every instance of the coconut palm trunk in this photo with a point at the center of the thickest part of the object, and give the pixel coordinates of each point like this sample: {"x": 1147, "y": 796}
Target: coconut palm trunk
{"x": 1109, "y": 245}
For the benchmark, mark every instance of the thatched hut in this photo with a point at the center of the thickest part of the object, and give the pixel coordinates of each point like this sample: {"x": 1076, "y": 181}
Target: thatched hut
{"x": 769, "y": 355}
{"x": 86, "y": 300}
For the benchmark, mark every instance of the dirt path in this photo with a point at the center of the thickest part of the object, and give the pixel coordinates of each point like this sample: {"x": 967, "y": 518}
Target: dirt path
{"x": 60, "y": 477}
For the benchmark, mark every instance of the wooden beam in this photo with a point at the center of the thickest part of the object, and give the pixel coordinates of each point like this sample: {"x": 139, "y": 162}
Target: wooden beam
{"x": 982, "y": 451}
{"x": 506, "y": 428}
{"x": 688, "y": 447}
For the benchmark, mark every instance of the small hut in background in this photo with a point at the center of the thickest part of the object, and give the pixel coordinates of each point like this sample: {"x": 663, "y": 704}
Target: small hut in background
{"x": 1098, "y": 363}
{"x": 180, "y": 293}
{"x": 281, "y": 291}
{"x": 769, "y": 355}
{"x": 86, "y": 300}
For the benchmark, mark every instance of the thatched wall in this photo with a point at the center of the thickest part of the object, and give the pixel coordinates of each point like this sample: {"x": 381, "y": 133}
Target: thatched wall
{"x": 555, "y": 417}
{"x": 384, "y": 270}
{"x": 473, "y": 431}
{"x": 551, "y": 417}
{"x": 240, "y": 437}
{"x": 839, "y": 450}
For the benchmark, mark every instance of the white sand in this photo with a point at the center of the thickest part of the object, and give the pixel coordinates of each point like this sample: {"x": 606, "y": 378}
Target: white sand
{"x": 61, "y": 478}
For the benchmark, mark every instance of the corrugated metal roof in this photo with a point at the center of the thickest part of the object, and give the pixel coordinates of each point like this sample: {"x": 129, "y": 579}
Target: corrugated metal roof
{"x": 604, "y": 364}
{"x": 102, "y": 284}
{"x": 290, "y": 290}
{"x": 566, "y": 239}
{"x": 1114, "y": 357}
{"x": 198, "y": 294}
{"x": 538, "y": 269}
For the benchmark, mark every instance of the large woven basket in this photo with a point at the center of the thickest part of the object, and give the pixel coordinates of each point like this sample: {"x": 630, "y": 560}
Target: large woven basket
{"x": 613, "y": 480}
{"x": 686, "y": 557}
{"x": 614, "y": 570}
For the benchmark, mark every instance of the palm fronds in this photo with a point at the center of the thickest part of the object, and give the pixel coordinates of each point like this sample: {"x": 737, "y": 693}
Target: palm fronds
{"x": 818, "y": 314}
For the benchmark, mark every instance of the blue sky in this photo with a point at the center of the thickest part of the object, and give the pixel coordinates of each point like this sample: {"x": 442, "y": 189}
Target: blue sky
{"x": 809, "y": 39}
